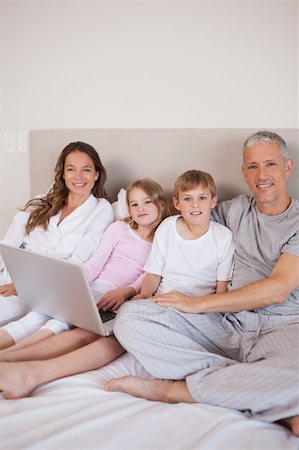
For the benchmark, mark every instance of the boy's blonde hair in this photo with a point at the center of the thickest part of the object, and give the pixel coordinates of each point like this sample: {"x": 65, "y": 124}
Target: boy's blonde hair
{"x": 191, "y": 179}
{"x": 157, "y": 196}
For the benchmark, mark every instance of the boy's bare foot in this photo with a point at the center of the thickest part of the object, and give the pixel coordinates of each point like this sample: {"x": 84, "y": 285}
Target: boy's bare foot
{"x": 292, "y": 423}
{"x": 156, "y": 390}
{"x": 16, "y": 379}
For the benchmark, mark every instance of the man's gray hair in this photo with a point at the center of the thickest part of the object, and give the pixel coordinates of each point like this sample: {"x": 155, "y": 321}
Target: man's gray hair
{"x": 265, "y": 136}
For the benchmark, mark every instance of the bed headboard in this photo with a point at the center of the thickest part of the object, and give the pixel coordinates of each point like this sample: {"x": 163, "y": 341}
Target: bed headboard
{"x": 161, "y": 154}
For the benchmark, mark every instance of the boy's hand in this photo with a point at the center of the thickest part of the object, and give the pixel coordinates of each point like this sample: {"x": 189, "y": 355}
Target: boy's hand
{"x": 7, "y": 289}
{"x": 177, "y": 300}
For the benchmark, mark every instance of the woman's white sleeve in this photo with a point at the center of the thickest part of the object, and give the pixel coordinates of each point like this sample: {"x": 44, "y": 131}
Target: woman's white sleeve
{"x": 93, "y": 233}
{"x": 15, "y": 234}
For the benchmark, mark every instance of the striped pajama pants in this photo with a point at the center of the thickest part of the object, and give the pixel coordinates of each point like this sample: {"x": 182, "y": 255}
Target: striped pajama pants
{"x": 245, "y": 361}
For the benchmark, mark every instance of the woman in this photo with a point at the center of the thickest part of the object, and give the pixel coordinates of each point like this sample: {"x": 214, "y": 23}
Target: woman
{"x": 67, "y": 222}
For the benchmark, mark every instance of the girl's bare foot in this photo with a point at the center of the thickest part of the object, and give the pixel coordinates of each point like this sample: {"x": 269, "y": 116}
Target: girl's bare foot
{"x": 16, "y": 379}
{"x": 156, "y": 390}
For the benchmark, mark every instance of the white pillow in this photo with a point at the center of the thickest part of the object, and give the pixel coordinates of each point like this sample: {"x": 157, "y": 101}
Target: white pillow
{"x": 120, "y": 207}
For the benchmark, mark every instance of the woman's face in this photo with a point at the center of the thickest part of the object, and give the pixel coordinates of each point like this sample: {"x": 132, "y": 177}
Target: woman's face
{"x": 79, "y": 173}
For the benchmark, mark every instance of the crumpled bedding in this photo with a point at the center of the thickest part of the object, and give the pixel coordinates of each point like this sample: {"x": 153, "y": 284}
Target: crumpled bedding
{"x": 76, "y": 413}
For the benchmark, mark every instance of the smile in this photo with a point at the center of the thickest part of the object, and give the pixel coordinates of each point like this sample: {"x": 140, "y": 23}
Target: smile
{"x": 264, "y": 186}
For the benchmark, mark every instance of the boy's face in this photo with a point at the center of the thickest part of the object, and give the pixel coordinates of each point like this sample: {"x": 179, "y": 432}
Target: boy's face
{"x": 195, "y": 205}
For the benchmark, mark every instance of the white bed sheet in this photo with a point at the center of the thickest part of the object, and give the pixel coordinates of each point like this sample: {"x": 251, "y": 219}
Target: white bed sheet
{"x": 76, "y": 413}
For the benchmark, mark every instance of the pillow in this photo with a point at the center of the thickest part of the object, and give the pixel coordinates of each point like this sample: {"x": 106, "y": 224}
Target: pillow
{"x": 120, "y": 207}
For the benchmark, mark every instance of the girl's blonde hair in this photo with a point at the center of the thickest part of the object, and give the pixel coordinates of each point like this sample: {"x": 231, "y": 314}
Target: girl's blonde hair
{"x": 42, "y": 209}
{"x": 157, "y": 196}
{"x": 191, "y": 179}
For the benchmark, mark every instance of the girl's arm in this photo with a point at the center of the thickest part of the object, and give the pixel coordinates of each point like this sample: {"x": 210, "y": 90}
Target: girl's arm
{"x": 112, "y": 300}
{"x": 94, "y": 266}
{"x": 149, "y": 286}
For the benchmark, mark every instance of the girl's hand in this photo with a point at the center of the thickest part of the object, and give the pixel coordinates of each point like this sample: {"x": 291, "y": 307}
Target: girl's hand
{"x": 141, "y": 296}
{"x": 112, "y": 300}
{"x": 177, "y": 300}
{"x": 7, "y": 290}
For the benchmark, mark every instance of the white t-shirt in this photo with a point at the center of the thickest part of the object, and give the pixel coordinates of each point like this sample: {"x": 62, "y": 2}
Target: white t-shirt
{"x": 192, "y": 267}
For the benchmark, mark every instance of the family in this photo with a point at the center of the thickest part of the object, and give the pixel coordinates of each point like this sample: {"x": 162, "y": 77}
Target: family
{"x": 207, "y": 300}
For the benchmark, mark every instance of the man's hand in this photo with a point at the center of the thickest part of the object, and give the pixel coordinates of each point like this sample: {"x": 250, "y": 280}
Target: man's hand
{"x": 7, "y": 289}
{"x": 177, "y": 300}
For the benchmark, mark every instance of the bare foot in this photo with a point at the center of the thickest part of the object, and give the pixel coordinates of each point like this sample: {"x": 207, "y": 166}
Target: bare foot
{"x": 292, "y": 423}
{"x": 156, "y": 390}
{"x": 16, "y": 380}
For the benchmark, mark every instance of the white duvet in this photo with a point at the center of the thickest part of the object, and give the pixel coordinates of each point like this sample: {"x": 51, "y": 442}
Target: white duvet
{"x": 76, "y": 413}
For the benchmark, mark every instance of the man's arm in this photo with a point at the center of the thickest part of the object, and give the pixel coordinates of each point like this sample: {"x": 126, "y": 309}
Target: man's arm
{"x": 272, "y": 290}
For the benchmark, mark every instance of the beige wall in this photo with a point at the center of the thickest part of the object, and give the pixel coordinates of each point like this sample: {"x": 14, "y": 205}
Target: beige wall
{"x": 142, "y": 65}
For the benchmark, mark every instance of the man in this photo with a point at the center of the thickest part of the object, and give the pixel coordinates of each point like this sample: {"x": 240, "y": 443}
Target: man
{"x": 243, "y": 354}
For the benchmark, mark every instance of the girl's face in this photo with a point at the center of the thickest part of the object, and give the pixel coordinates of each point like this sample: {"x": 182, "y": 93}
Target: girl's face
{"x": 79, "y": 173}
{"x": 142, "y": 209}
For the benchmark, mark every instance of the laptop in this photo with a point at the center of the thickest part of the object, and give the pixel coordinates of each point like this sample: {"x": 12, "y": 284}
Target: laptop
{"x": 56, "y": 287}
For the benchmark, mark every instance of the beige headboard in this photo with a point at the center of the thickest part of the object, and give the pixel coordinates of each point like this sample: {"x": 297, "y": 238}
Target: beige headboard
{"x": 162, "y": 154}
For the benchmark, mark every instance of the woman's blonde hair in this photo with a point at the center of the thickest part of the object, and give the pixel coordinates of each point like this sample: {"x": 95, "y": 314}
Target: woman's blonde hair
{"x": 157, "y": 196}
{"x": 42, "y": 209}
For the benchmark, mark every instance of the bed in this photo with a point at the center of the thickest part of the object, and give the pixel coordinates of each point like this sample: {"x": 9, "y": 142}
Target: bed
{"x": 75, "y": 412}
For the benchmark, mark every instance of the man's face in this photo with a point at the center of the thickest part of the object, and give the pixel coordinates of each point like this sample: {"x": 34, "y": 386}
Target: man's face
{"x": 266, "y": 174}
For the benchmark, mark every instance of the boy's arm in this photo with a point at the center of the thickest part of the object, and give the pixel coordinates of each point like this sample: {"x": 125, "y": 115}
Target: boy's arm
{"x": 221, "y": 286}
{"x": 149, "y": 286}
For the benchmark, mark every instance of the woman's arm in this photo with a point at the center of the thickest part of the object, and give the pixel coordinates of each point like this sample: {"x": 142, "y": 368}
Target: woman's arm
{"x": 94, "y": 232}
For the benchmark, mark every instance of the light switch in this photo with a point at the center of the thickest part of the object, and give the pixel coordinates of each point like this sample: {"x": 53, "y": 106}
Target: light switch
{"x": 8, "y": 142}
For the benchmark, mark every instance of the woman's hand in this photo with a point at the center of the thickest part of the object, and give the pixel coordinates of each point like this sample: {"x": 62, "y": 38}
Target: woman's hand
{"x": 177, "y": 300}
{"x": 7, "y": 289}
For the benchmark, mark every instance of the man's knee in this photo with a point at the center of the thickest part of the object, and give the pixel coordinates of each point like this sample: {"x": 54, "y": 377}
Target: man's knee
{"x": 127, "y": 322}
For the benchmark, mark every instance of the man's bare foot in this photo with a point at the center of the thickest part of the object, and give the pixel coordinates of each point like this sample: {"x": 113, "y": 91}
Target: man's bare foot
{"x": 156, "y": 390}
{"x": 292, "y": 423}
{"x": 16, "y": 379}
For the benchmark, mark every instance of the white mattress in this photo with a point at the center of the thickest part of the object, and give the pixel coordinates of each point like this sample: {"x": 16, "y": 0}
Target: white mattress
{"x": 76, "y": 413}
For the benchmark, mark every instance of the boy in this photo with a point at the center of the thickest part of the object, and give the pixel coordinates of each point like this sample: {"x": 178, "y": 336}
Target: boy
{"x": 190, "y": 254}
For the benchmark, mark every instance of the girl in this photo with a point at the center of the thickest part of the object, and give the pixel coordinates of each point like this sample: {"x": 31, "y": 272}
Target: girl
{"x": 116, "y": 270}
{"x": 67, "y": 222}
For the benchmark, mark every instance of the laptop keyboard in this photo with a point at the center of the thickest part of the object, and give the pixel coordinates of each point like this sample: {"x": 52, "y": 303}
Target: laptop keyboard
{"x": 106, "y": 315}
